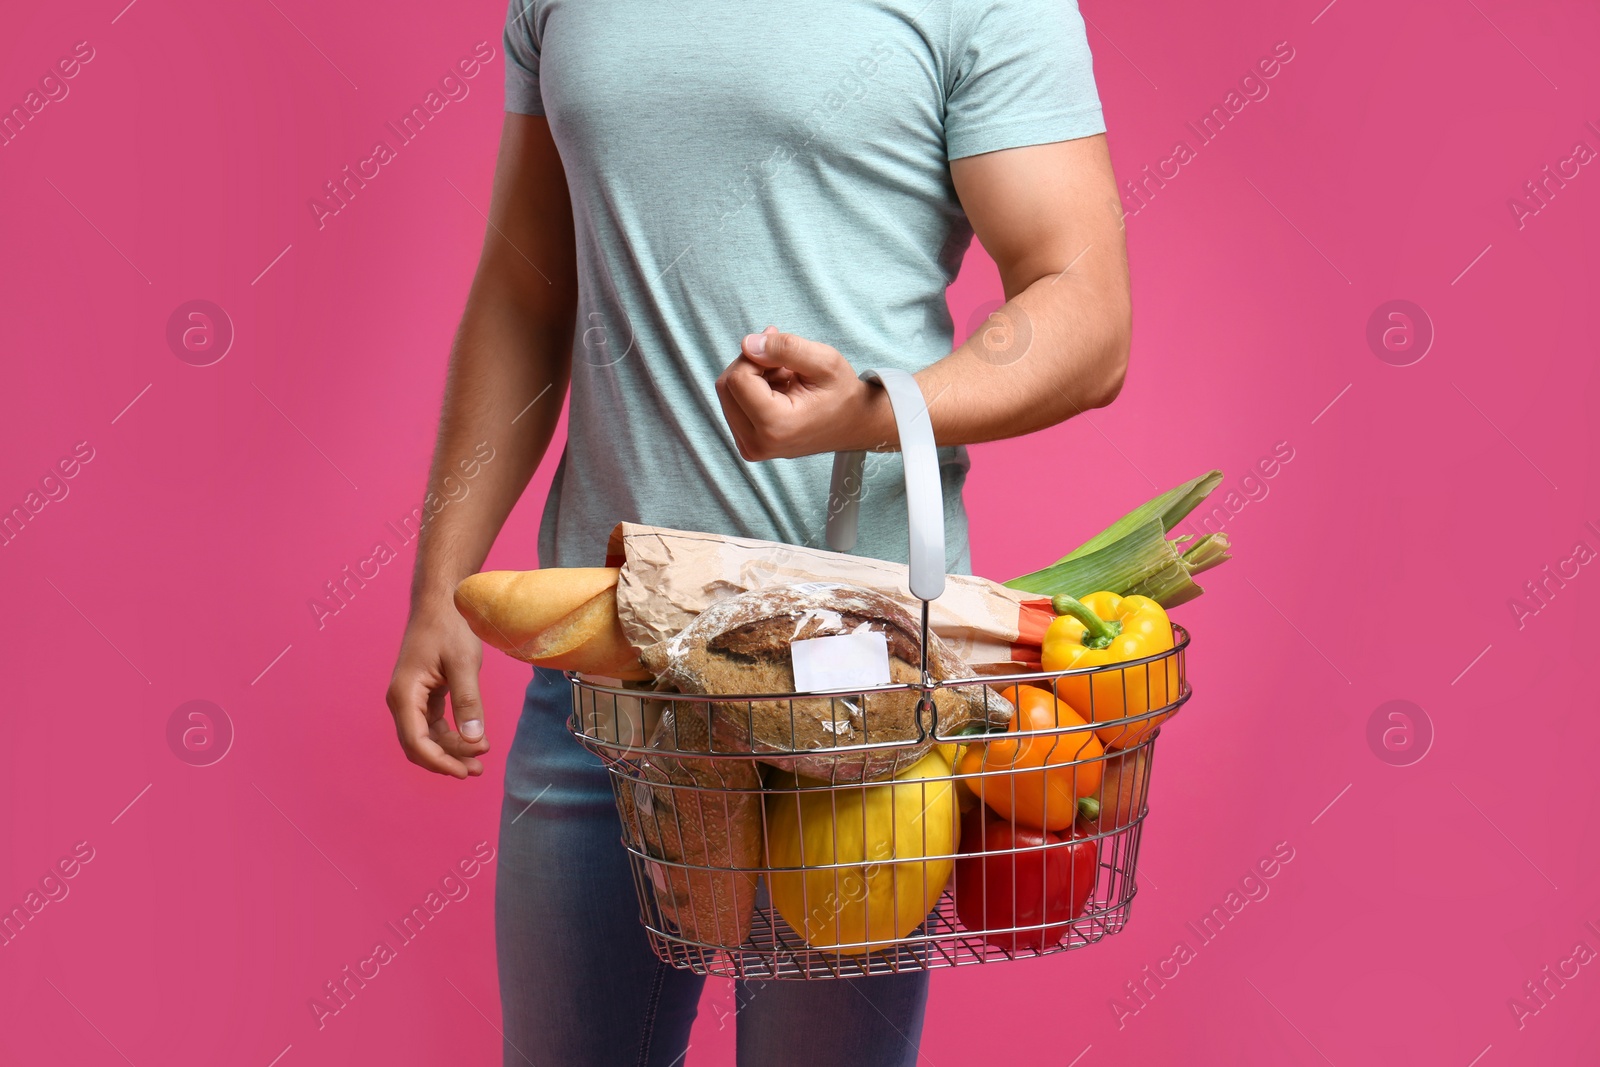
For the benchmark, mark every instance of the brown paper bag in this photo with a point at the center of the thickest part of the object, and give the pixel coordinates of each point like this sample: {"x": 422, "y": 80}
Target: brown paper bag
{"x": 670, "y": 576}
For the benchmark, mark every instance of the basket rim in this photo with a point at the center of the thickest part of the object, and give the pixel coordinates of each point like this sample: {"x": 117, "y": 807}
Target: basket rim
{"x": 617, "y": 751}
{"x": 1180, "y": 644}
{"x": 938, "y": 940}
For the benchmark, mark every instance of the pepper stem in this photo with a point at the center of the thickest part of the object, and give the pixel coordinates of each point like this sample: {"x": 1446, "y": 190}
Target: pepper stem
{"x": 1098, "y": 632}
{"x": 1089, "y": 808}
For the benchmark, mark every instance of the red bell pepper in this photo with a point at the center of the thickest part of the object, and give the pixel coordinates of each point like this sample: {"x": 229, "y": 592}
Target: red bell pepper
{"x": 1030, "y": 897}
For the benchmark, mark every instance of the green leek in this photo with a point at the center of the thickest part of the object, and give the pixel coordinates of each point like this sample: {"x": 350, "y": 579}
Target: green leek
{"x": 1135, "y": 556}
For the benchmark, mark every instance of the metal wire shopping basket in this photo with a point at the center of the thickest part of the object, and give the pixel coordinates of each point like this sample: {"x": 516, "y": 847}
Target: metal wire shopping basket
{"x": 981, "y": 847}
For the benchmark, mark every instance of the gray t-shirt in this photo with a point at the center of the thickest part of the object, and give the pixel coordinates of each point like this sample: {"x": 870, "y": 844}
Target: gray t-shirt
{"x": 739, "y": 163}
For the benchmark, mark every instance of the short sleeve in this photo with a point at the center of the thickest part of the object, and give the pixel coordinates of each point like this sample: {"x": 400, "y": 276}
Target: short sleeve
{"x": 522, "y": 60}
{"x": 1020, "y": 74}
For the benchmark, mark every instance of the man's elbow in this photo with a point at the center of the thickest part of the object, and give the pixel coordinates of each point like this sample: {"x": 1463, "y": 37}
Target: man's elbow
{"x": 1111, "y": 368}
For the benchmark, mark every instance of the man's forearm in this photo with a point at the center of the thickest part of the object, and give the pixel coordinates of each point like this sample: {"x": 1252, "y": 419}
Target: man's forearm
{"x": 1055, "y": 350}
{"x": 508, "y": 376}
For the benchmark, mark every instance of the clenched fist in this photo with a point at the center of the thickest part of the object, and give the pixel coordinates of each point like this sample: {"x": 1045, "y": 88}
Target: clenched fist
{"x": 786, "y": 396}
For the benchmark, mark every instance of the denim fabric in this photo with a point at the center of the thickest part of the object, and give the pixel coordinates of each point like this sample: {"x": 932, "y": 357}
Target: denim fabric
{"x": 579, "y": 985}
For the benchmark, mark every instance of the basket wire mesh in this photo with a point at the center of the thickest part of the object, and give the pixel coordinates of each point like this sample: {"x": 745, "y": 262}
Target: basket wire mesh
{"x": 872, "y": 886}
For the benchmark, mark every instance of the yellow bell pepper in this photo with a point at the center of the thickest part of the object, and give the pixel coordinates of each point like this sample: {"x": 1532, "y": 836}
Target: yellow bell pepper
{"x": 896, "y": 842}
{"x": 1101, "y": 629}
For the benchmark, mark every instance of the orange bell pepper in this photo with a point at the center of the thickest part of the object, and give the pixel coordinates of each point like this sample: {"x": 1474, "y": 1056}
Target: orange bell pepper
{"x": 1105, "y": 629}
{"x": 1031, "y": 776}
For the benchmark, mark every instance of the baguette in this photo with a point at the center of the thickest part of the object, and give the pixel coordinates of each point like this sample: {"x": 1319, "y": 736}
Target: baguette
{"x": 563, "y": 618}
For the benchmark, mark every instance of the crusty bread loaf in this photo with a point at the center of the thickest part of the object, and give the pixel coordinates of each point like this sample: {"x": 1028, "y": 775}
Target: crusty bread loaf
{"x": 564, "y": 618}
{"x": 515, "y": 606}
{"x": 740, "y": 645}
{"x": 704, "y": 813}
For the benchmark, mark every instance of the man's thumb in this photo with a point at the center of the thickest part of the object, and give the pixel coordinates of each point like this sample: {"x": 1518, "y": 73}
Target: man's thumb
{"x": 464, "y": 703}
{"x": 759, "y": 346}
{"x": 770, "y": 348}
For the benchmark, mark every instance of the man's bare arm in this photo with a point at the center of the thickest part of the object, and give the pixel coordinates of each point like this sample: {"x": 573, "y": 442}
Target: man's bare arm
{"x": 1050, "y": 218}
{"x": 508, "y": 375}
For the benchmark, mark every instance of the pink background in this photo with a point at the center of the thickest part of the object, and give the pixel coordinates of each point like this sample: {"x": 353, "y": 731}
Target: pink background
{"x": 1377, "y": 567}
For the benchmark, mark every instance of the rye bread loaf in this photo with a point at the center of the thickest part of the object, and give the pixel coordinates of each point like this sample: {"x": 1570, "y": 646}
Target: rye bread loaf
{"x": 740, "y": 645}
{"x": 704, "y": 813}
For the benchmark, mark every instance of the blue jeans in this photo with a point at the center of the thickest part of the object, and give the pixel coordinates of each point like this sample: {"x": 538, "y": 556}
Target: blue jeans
{"x": 579, "y": 984}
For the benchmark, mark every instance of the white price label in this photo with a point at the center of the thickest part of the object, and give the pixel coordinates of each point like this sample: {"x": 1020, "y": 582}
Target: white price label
{"x": 844, "y": 661}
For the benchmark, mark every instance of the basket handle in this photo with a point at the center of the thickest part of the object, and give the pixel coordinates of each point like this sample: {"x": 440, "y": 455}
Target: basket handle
{"x": 924, "y": 495}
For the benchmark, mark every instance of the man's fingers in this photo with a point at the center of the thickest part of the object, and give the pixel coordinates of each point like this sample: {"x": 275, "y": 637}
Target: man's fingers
{"x": 810, "y": 359}
{"x": 465, "y": 706}
{"x": 456, "y": 684}
{"x": 779, "y": 377}
{"x": 428, "y": 754}
{"x": 453, "y": 744}
{"x": 408, "y": 703}
{"x": 747, "y": 383}
{"x": 760, "y": 413}
{"x": 738, "y": 421}
{"x": 467, "y": 740}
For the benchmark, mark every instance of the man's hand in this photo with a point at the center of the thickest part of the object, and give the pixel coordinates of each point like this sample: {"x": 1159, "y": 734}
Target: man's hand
{"x": 785, "y": 396}
{"x": 439, "y": 658}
